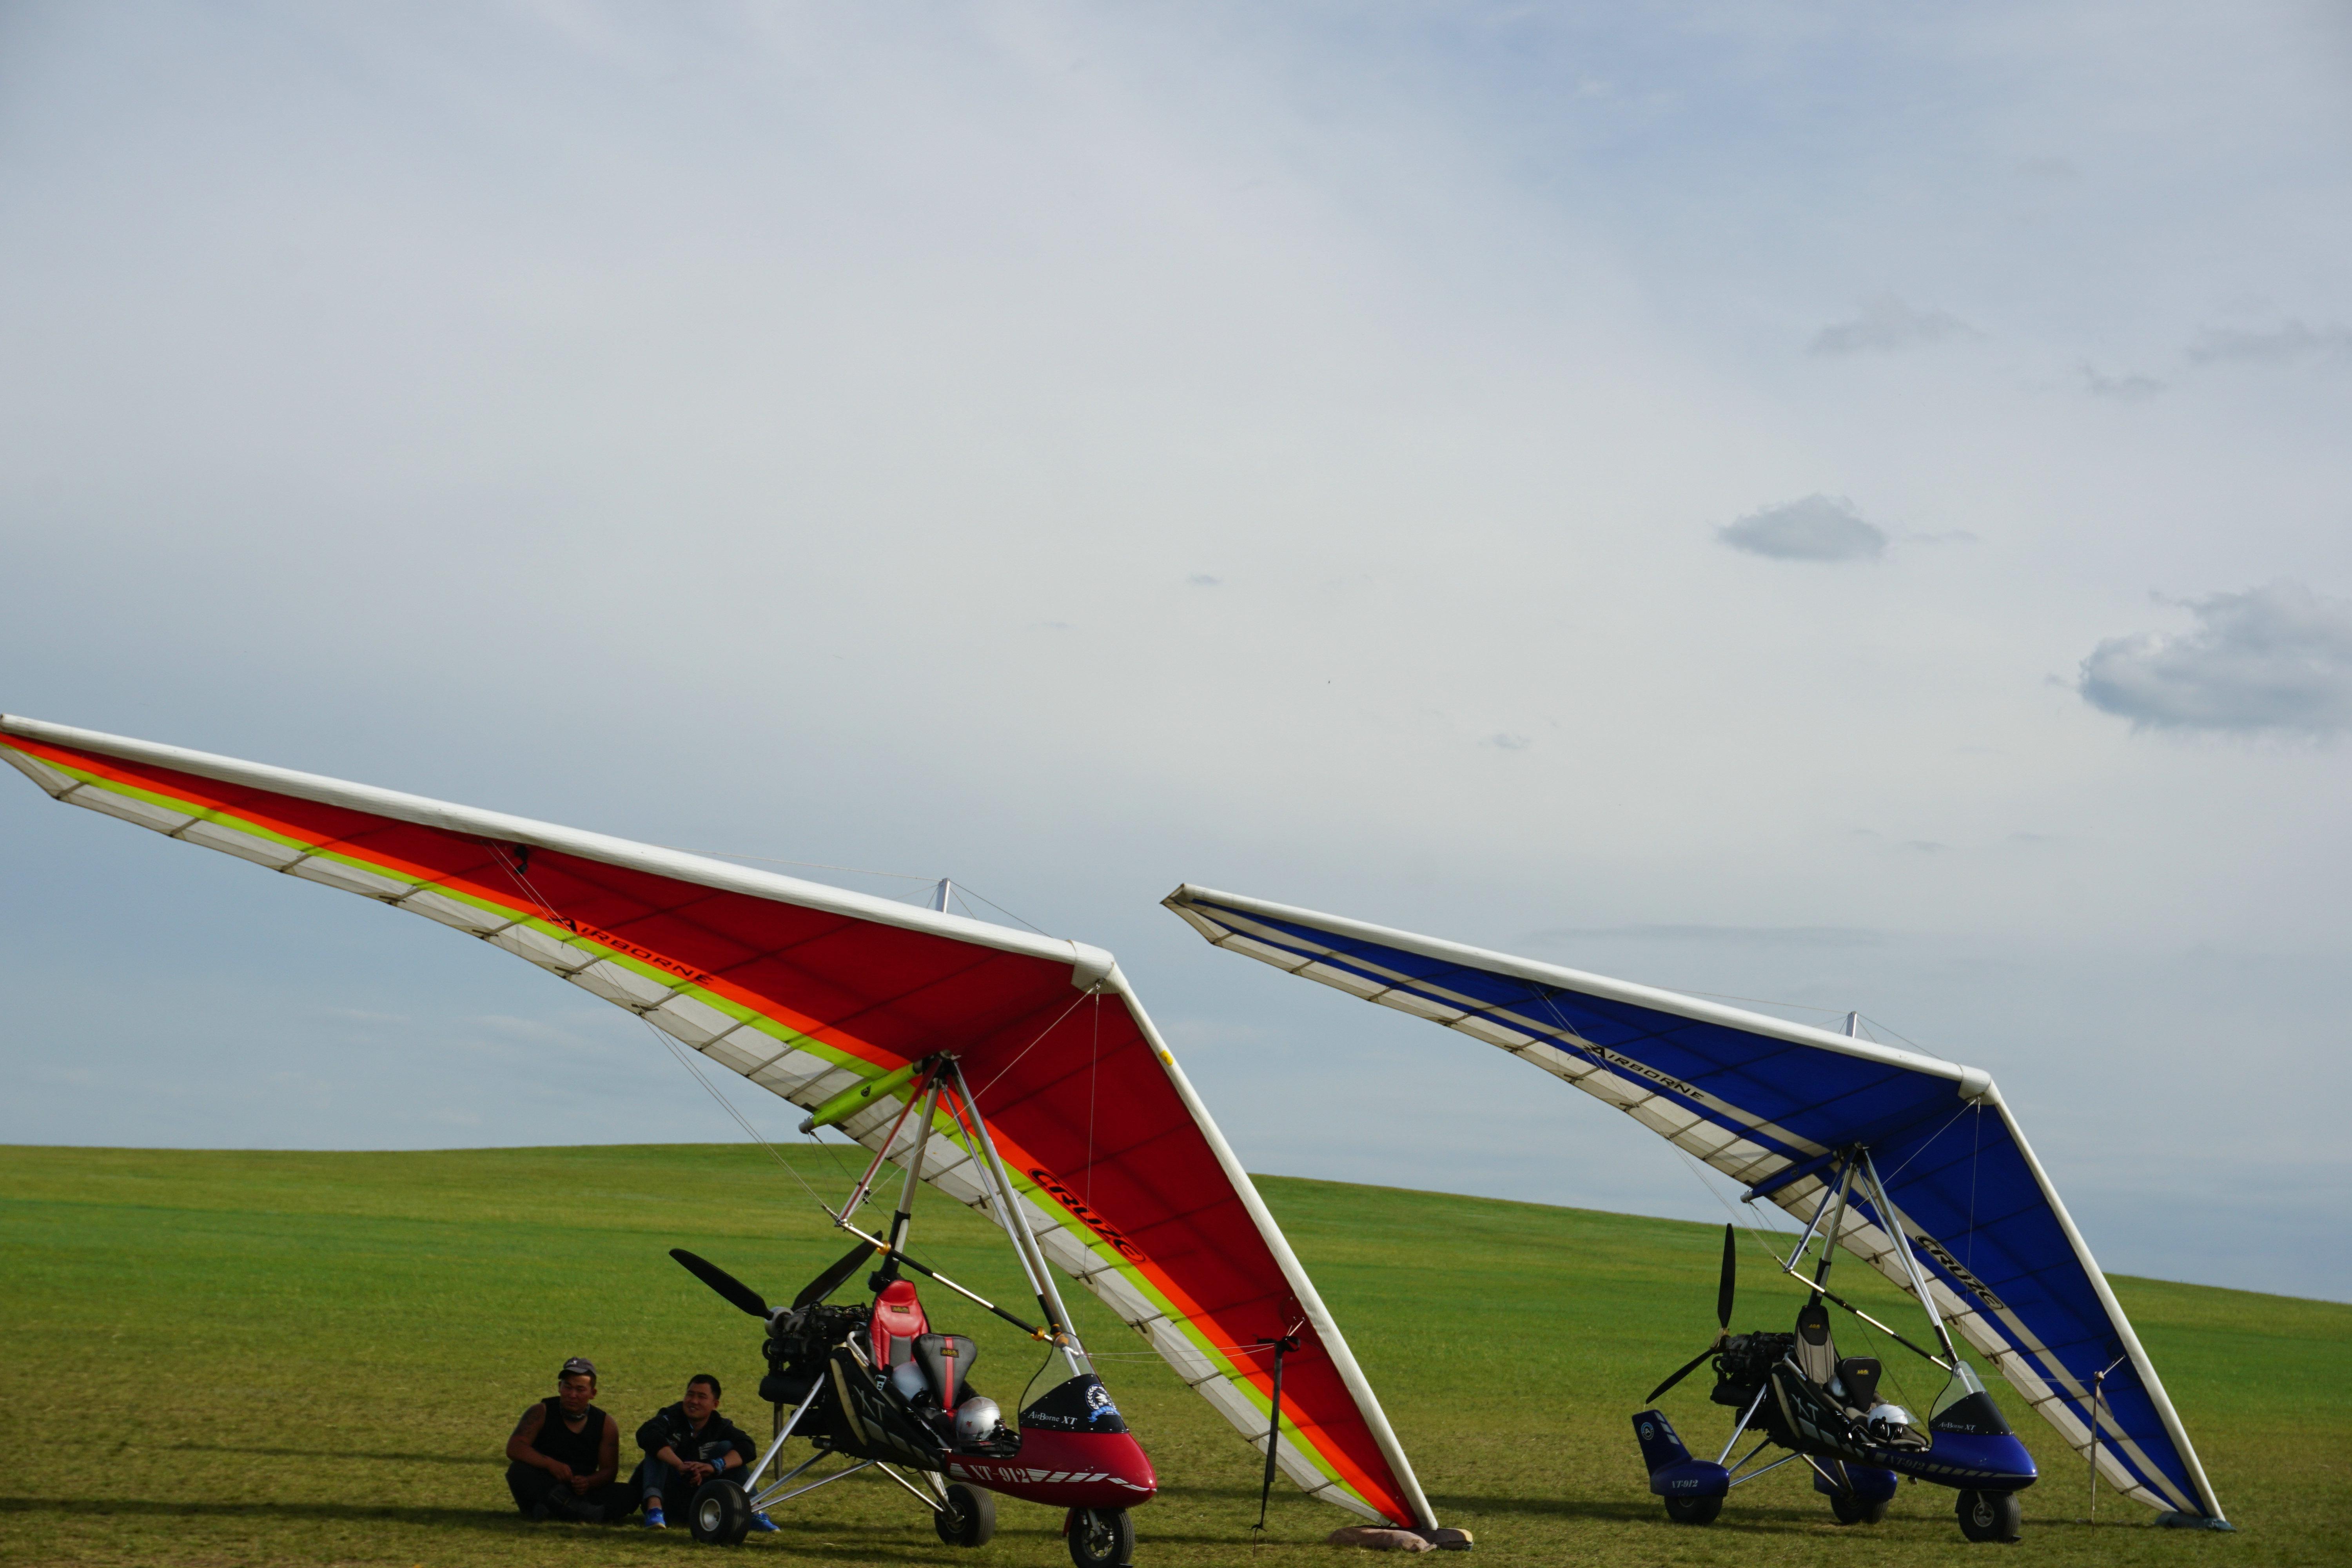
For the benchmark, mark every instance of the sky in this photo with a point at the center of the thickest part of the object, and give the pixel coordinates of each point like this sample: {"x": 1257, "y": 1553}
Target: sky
{"x": 1837, "y": 506}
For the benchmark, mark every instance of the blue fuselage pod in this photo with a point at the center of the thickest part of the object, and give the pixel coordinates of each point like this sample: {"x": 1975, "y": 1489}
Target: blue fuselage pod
{"x": 1985, "y": 1462}
{"x": 1673, "y": 1472}
{"x": 1867, "y": 1482}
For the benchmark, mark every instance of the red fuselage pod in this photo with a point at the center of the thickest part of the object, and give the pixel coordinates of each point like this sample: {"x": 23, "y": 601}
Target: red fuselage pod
{"x": 1066, "y": 1469}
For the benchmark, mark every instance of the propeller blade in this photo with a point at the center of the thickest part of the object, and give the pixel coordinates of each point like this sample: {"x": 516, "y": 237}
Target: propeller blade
{"x": 737, "y": 1293}
{"x": 1730, "y": 1278}
{"x": 826, "y": 1283}
{"x": 1689, "y": 1367}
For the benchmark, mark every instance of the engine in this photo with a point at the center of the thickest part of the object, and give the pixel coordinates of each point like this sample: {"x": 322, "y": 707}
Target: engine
{"x": 1744, "y": 1363}
{"x": 799, "y": 1340}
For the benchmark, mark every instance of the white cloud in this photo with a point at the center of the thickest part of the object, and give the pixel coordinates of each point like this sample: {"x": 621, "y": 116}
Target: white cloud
{"x": 2129, "y": 387}
{"x": 2289, "y": 342}
{"x": 1885, "y": 325}
{"x": 1817, "y": 528}
{"x": 2272, "y": 659}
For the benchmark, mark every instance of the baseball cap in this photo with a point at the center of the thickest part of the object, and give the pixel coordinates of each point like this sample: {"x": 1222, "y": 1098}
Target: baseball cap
{"x": 578, "y": 1366}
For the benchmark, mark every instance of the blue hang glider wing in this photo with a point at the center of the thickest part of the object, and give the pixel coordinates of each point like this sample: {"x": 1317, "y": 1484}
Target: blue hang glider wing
{"x": 1775, "y": 1105}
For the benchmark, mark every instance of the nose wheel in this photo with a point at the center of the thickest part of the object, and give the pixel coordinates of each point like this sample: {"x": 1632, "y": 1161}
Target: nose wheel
{"x": 1989, "y": 1516}
{"x": 720, "y": 1514}
{"x": 1100, "y": 1537}
{"x": 970, "y": 1518}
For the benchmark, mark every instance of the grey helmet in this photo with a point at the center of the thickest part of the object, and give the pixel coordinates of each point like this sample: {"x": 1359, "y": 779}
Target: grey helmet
{"x": 977, "y": 1420}
{"x": 908, "y": 1378}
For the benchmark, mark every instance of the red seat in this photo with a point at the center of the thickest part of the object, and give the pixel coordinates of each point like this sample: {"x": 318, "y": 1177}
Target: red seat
{"x": 898, "y": 1322}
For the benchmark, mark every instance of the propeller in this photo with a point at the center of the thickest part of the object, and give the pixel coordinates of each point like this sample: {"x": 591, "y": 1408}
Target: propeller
{"x": 826, "y": 1283}
{"x": 738, "y": 1295}
{"x": 745, "y": 1299}
{"x": 1730, "y": 1278}
{"x": 1723, "y": 1293}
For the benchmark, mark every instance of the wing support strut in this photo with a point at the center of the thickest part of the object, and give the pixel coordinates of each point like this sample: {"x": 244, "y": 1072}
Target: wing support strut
{"x": 1818, "y": 1284}
{"x": 1901, "y": 1238}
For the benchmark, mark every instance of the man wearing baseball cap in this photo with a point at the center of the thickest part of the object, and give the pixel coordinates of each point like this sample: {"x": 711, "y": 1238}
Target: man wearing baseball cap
{"x": 566, "y": 1452}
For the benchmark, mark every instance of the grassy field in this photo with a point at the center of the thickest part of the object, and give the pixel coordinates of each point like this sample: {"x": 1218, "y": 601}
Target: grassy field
{"x": 234, "y": 1358}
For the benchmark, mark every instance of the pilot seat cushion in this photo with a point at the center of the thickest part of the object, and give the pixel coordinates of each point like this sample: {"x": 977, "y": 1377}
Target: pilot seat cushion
{"x": 1860, "y": 1375}
{"x": 946, "y": 1361}
{"x": 897, "y": 1324}
{"x": 1815, "y": 1351}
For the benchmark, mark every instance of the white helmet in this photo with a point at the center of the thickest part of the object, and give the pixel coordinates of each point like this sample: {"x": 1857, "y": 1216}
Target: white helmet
{"x": 977, "y": 1420}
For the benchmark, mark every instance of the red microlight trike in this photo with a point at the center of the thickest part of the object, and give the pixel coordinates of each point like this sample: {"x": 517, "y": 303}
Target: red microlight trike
{"x": 871, "y": 1385}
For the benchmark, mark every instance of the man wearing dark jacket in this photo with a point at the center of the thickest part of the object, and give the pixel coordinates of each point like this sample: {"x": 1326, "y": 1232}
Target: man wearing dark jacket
{"x": 685, "y": 1445}
{"x": 564, "y": 1452}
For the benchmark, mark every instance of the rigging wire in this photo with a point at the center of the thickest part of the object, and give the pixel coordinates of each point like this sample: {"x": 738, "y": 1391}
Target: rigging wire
{"x": 1975, "y": 1158}
{"x": 965, "y": 896}
{"x": 1922, "y": 1149}
{"x": 1032, "y": 1045}
{"x": 1094, "y": 1063}
{"x": 1762, "y": 1002}
{"x": 517, "y": 868}
{"x": 806, "y": 865}
{"x": 687, "y": 1061}
{"x": 959, "y": 890}
{"x": 520, "y": 873}
{"x": 1755, "y": 1234}
{"x": 1550, "y": 1001}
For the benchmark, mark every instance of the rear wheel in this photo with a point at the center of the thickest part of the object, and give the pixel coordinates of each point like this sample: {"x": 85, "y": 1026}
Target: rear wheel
{"x": 969, "y": 1519}
{"x": 1694, "y": 1510}
{"x": 719, "y": 1515}
{"x": 1852, "y": 1509}
{"x": 1989, "y": 1516}
{"x": 1101, "y": 1537}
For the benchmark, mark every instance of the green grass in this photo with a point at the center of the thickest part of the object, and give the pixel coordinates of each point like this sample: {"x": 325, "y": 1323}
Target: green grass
{"x": 230, "y": 1358}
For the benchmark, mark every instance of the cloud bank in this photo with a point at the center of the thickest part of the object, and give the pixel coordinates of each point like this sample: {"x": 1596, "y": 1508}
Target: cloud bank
{"x": 1887, "y": 325}
{"x": 2129, "y": 387}
{"x": 1817, "y": 528}
{"x": 2289, "y": 342}
{"x": 2274, "y": 659}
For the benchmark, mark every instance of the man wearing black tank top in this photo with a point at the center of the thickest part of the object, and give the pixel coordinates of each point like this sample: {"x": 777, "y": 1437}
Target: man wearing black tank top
{"x": 565, "y": 1453}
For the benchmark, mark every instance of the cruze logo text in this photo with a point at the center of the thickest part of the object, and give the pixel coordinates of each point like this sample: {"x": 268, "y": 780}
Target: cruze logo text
{"x": 1094, "y": 1221}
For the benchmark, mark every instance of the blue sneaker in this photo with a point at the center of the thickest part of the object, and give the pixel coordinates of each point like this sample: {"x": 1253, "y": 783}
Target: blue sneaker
{"x": 763, "y": 1523}
{"x": 653, "y": 1519}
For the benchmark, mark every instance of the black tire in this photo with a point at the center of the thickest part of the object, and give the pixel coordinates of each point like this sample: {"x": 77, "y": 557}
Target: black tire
{"x": 719, "y": 1514}
{"x": 1694, "y": 1510}
{"x": 1100, "y": 1537}
{"x": 1852, "y": 1509}
{"x": 970, "y": 1518}
{"x": 1989, "y": 1516}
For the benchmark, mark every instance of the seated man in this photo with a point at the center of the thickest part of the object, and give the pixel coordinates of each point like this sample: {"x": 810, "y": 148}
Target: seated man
{"x": 685, "y": 1445}
{"x": 565, "y": 1453}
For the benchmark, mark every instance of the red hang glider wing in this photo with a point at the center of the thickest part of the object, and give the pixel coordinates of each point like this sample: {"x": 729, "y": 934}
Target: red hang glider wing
{"x": 806, "y": 989}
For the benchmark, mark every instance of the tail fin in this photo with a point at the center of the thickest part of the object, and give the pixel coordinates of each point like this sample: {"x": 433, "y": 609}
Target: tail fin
{"x": 1661, "y": 1445}
{"x": 1673, "y": 1472}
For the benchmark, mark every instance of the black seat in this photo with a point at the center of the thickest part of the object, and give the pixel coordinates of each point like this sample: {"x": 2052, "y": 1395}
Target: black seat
{"x": 946, "y": 1361}
{"x": 1860, "y": 1375}
{"x": 1816, "y": 1352}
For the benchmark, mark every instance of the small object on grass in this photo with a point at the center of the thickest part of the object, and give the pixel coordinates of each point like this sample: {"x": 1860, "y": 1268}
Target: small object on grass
{"x": 1373, "y": 1539}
